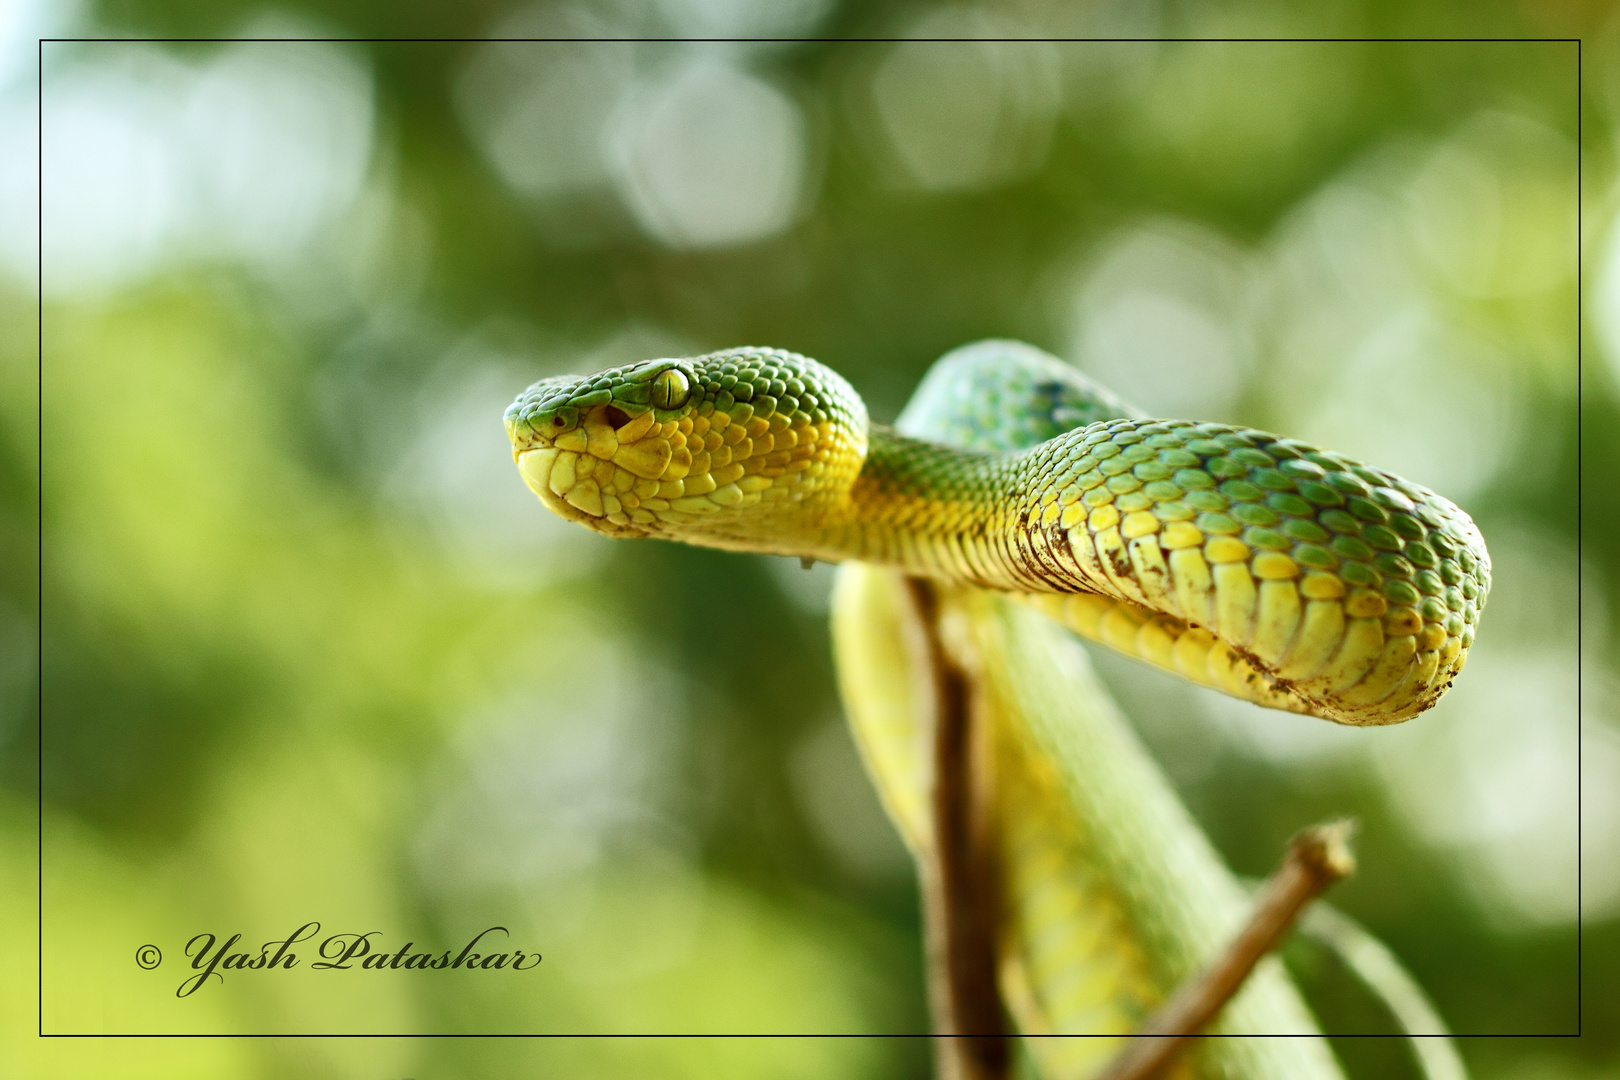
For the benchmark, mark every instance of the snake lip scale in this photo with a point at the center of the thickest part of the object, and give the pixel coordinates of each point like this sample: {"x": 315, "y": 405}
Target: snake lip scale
{"x": 1283, "y": 574}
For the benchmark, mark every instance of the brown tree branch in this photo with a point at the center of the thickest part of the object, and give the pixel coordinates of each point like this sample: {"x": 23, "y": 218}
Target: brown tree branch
{"x": 1316, "y": 858}
{"x": 959, "y": 902}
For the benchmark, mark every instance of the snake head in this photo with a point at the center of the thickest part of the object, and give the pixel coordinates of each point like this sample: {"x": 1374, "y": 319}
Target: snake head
{"x": 724, "y": 450}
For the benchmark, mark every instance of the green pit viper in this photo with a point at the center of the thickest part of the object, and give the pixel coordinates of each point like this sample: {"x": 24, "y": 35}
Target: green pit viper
{"x": 1282, "y": 574}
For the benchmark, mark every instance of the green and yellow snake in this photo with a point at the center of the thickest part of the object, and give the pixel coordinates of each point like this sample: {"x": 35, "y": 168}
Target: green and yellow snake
{"x": 1279, "y": 573}
{"x": 1270, "y": 570}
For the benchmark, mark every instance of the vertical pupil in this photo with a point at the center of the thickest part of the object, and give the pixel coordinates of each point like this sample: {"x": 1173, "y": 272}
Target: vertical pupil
{"x": 669, "y": 392}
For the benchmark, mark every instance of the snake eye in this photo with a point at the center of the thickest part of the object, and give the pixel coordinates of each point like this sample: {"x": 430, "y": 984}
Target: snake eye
{"x": 670, "y": 390}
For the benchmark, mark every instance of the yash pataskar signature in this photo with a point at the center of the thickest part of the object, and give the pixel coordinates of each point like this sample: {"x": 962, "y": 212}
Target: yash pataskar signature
{"x": 210, "y": 957}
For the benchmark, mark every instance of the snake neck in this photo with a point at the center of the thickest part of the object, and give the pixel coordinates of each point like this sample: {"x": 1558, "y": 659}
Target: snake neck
{"x": 948, "y": 514}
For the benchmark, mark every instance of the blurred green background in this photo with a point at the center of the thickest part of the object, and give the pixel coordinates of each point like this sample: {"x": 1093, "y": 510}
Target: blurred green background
{"x": 311, "y": 651}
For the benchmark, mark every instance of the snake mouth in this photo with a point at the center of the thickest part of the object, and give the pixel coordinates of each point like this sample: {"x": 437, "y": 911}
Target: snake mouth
{"x": 536, "y": 467}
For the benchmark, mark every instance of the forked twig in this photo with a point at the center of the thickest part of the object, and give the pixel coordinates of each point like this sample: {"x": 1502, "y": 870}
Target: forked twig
{"x": 1316, "y": 858}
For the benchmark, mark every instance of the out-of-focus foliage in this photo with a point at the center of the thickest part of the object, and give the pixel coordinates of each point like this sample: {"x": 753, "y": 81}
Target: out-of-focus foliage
{"x": 310, "y": 651}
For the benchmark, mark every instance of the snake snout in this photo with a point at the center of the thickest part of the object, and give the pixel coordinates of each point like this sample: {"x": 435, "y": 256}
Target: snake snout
{"x": 539, "y": 429}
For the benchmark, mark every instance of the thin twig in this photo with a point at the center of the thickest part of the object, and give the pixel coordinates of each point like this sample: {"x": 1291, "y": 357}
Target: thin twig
{"x": 1379, "y": 971}
{"x": 1316, "y": 858}
{"x": 959, "y": 907}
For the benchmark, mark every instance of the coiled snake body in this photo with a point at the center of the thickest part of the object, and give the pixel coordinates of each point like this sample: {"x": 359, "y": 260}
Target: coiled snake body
{"x": 1274, "y": 571}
